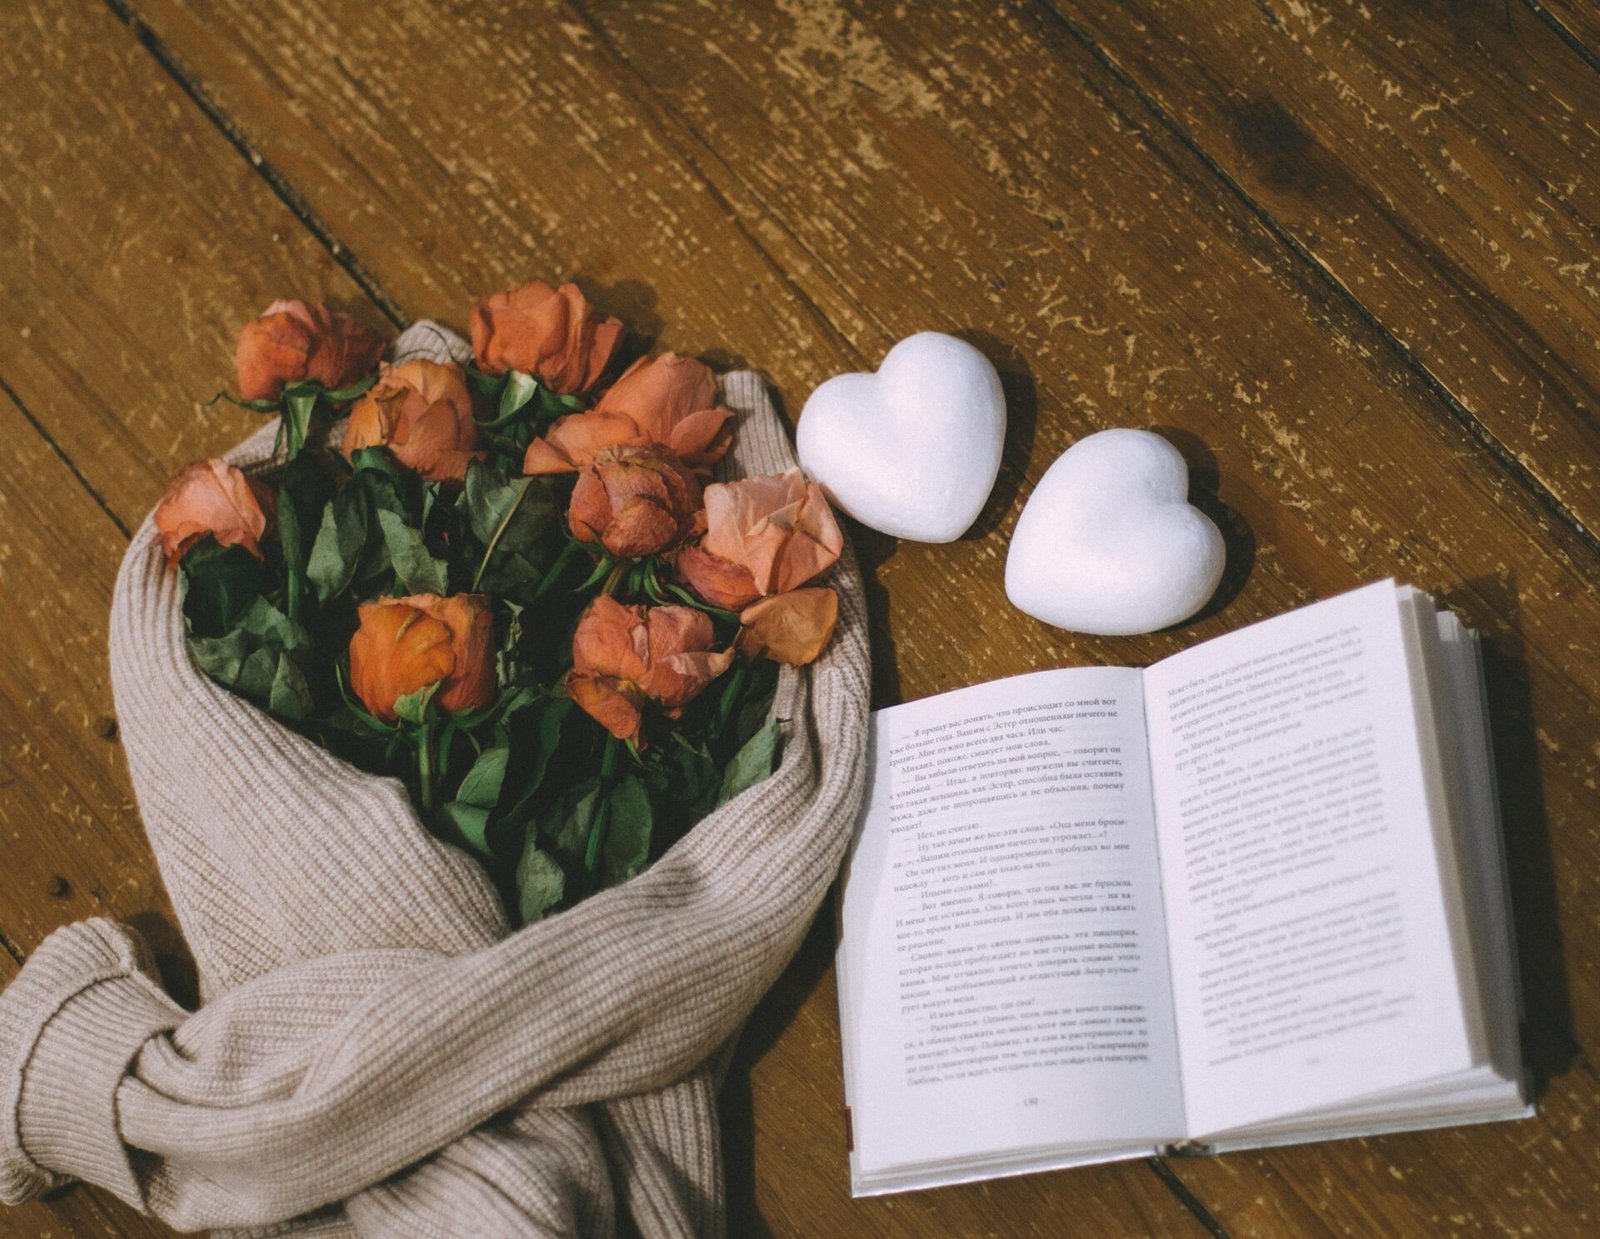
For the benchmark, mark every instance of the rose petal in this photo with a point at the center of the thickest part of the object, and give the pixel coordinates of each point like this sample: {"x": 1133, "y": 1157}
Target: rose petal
{"x": 791, "y": 628}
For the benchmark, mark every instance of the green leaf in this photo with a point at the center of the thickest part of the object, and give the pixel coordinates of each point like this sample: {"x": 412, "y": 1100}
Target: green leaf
{"x": 336, "y": 554}
{"x": 389, "y": 484}
{"x": 752, "y": 763}
{"x": 298, "y": 406}
{"x": 482, "y": 383}
{"x": 520, "y": 388}
{"x": 516, "y": 520}
{"x": 220, "y": 657}
{"x": 413, "y": 707}
{"x": 220, "y": 583}
{"x": 572, "y": 818}
{"x": 553, "y": 712}
{"x": 290, "y": 696}
{"x": 482, "y": 785}
{"x": 341, "y": 394}
{"x": 471, "y": 823}
{"x": 540, "y": 882}
{"x": 626, "y": 847}
{"x": 556, "y": 404}
{"x": 684, "y": 774}
{"x": 257, "y": 674}
{"x": 272, "y": 628}
{"x": 418, "y": 571}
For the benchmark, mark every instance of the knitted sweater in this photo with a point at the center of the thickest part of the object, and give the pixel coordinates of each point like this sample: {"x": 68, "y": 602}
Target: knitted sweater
{"x": 374, "y": 1055}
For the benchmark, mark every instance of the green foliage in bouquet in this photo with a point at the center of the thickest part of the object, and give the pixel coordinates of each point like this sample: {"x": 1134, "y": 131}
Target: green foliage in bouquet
{"x": 506, "y": 583}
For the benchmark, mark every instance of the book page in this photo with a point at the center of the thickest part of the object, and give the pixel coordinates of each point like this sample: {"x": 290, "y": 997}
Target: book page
{"x": 1311, "y": 955}
{"x": 1003, "y": 976}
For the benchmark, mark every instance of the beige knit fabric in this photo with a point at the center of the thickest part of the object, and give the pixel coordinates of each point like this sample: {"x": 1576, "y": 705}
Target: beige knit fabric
{"x": 374, "y": 1055}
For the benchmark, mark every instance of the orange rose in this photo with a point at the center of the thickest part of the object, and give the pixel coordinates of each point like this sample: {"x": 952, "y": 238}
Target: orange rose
{"x": 670, "y": 401}
{"x": 625, "y": 656}
{"x": 406, "y": 644}
{"x": 634, "y": 502}
{"x": 551, "y": 333}
{"x": 789, "y": 628}
{"x": 212, "y": 497}
{"x": 765, "y": 535}
{"x": 422, "y": 412}
{"x": 294, "y": 342}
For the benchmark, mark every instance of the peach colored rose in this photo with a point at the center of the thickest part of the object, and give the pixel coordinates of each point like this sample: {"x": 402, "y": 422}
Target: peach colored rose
{"x": 623, "y": 657}
{"x": 764, "y": 535}
{"x": 294, "y": 342}
{"x": 670, "y": 401}
{"x": 406, "y": 644}
{"x": 634, "y": 502}
{"x": 212, "y": 497}
{"x": 422, "y": 412}
{"x": 788, "y": 628}
{"x": 551, "y": 333}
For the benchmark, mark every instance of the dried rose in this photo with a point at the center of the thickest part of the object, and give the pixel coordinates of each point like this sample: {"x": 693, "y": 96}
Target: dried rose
{"x": 294, "y": 342}
{"x": 212, "y": 497}
{"x": 623, "y": 657}
{"x": 634, "y": 502}
{"x": 422, "y": 412}
{"x": 553, "y": 334}
{"x": 764, "y": 535}
{"x": 669, "y": 401}
{"x": 405, "y": 644}
{"x": 791, "y": 628}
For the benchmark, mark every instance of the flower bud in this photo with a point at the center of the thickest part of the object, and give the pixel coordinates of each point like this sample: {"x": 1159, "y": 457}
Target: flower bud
{"x": 669, "y": 401}
{"x": 634, "y": 502}
{"x": 553, "y": 334}
{"x": 422, "y": 412}
{"x": 764, "y": 535}
{"x": 405, "y": 644}
{"x": 293, "y": 342}
{"x": 623, "y": 657}
{"x": 212, "y": 497}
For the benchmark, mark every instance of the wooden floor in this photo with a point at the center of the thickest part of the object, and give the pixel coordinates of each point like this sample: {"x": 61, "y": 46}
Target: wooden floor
{"x": 1347, "y": 255}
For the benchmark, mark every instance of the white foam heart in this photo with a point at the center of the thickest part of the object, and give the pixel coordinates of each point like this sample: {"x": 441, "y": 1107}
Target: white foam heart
{"x": 912, "y": 450}
{"x": 1108, "y": 542}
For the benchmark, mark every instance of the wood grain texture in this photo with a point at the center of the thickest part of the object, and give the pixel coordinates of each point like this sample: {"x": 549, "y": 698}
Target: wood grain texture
{"x": 1576, "y": 20}
{"x": 796, "y": 185}
{"x": 138, "y": 243}
{"x": 1433, "y": 161}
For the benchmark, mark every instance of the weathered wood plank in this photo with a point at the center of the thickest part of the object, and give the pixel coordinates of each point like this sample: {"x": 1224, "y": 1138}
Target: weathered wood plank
{"x": 1434, "y": 161}
{"x": 137, "y": 243}
{"x": 1576, "y": 20}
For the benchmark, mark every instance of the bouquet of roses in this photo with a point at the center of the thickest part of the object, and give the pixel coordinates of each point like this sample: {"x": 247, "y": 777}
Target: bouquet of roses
{"x": 508, "y": 580}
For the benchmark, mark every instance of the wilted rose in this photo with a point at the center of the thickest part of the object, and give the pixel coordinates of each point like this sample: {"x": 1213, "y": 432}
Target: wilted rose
{"x": 764, "y": 535}
{"x": 212, "y": 497}
{"x": 634, "y": 502}
{"x": 405, "y": 644}
{"x": 669, "y": 401}
{"x": 294, "y": 342}
{"x": 790, "y": 628}
{"x": 422, "y": 412}
{"x": 624, "y": 656}
{"x": 553, "y": 334}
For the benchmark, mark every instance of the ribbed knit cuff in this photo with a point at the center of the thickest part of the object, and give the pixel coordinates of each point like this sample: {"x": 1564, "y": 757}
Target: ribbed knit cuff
{"x": 70, "y": 1023}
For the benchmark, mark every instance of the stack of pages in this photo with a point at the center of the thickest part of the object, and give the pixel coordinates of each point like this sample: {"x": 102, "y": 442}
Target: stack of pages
{"x": 1253, "y": 894}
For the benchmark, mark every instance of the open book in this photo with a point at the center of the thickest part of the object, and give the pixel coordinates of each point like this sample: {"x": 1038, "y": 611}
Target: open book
{"x": 1253, "y": 894}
